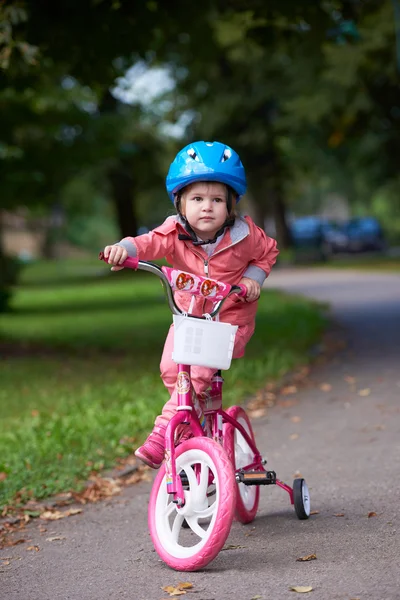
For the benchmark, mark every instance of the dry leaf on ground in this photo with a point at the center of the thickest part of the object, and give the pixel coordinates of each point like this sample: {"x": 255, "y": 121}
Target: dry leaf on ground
{"x": 294, "y": 436}
{"x": 289, "y": 389}
{"x": 295, "y": 419}
{"x": 372, "y": 514}
{"x": 338, "y": 515}
{"x": 50, "y": 515}
{"x": 364, "y": 392}
{"x": 98, "y": 489}
{"x": 256, "y": 414}
{"x": 36, "y": 548}
{"x": 306, "y": 558}
{"x": 301, "y": 589}
{"x": 314, "y": 512}
{"x": 185, "y": 585}
{"x": 56, "y": 538}
{"x": 178, "y": 590}
{"x": 325, "y": 387}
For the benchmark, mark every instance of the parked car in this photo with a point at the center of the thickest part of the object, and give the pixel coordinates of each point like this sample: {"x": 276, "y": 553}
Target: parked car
{"x": 364, "y": 234}
{"x": 317, "y": 238}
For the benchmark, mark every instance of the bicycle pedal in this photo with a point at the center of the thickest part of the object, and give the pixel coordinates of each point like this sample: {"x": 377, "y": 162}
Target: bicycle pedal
{"x": 256, "y": 477}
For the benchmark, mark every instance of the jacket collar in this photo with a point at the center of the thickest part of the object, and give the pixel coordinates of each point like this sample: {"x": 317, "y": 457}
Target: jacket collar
{"x": 239, "y": 230}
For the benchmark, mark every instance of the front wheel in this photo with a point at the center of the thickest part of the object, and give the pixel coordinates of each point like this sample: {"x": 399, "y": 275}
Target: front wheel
{"x": 301, "y": 497}
{"x": 187, "y": 538}
{"x": 241, "y": 455}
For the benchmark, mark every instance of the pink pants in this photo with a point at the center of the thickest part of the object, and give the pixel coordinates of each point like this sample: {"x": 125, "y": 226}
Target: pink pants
{"x": 201, "y": 376}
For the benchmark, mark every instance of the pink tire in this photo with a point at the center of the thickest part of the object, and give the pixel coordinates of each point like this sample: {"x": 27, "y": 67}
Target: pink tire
{"x": 241, "y": 455}
{"x": 210, "y": 498}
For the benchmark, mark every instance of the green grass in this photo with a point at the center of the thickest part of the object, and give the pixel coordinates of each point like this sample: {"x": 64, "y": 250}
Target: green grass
{"x": 81, "y": 384}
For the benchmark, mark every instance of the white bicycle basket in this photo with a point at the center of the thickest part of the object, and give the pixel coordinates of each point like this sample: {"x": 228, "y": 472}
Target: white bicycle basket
{"x": 203, "y": 342}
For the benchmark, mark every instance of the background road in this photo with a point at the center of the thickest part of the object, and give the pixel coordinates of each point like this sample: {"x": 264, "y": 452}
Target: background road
{"x": 340, "y": 430}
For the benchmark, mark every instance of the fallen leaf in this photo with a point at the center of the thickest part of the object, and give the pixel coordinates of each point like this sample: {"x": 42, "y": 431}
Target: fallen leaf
{"x": 98, "y": 489}
{"x": 325, "y": 387}
{"x": 306, "y": 558}
{"x": 338, "y": 515}
{"x": 287, "y": 403}
{"x": 256, "y": 414}
{"x": 256, "y": 597}
{"x": 365, "y": 392}
{"x": 372, "y": 514}
{"x": 185, "y": 585}
{"x": 314, "y": 512}
{"x": 73, "y": 511}
{"x": 301, "y": 589}
{"x": 55, "y": 538}
{"x": 294, "y": 436}
{"x": 3, "y": 475}
{"x": 232, "y": 547}
{"x": 49, "y": 515}
{"x": 290, "y": 389}
{"x": 36, "y": 548}
{"x": 4, "y": 563}
{"x": 10, "y": 543}
{"x": 295, "y": 419}
{"x": 173, "y": 591}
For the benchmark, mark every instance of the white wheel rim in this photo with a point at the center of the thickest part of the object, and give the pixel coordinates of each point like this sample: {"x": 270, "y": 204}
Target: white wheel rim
{"x": 306, "y": 498}
{"x": 201, "y": 503}
{"x": 243, "y": 457}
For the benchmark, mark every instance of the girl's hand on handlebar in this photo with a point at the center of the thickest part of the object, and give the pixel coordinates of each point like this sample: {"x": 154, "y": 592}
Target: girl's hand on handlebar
{"x": 253, "y": 289}
{"x": 115, "y": 255}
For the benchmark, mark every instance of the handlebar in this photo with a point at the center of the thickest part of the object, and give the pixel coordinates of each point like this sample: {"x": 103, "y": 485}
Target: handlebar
{"x": 136, "y": 264}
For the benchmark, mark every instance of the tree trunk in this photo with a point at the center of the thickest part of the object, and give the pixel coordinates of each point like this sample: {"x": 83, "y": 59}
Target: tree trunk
{"x": 122, "y": 185}
{"x": 54, "y": 233}
{"x": 279, "y": 212}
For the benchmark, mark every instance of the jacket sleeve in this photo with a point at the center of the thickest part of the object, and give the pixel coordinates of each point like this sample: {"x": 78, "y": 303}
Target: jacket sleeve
{"x": 264, "y": 252}
{"x": 156, "y": 244}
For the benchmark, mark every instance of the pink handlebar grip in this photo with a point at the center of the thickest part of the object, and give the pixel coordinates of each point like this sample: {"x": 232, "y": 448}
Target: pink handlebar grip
{"x": 243, "y": 292}
{"x": 129, "y": 263}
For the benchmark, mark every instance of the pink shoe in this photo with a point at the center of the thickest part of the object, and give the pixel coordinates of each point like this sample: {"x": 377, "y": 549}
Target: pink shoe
{"x": 152, "y": 451}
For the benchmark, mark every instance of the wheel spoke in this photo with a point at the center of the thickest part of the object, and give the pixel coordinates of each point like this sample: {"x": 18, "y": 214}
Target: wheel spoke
{"x": 195, "y": 527}
{"x": 203, "y": 483}
{"x": 177, "y": 526}
{"x": 206, "y": 512}
{"x": 170, "y": 507}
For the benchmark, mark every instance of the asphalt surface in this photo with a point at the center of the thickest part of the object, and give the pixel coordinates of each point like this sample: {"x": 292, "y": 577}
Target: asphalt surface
{"x": 340, "y": 430}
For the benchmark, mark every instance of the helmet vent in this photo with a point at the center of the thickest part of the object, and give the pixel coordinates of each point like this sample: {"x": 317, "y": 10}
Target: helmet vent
{"x": 227, "y": 154}
{"x": 192, "y": 154}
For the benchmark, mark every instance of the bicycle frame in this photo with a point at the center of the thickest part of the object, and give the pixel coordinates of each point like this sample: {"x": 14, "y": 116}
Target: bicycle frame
{"x": 189, "y": 411}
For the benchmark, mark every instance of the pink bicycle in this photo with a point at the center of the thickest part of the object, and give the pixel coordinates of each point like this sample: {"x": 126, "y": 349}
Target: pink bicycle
{"x": 214, "y": 476}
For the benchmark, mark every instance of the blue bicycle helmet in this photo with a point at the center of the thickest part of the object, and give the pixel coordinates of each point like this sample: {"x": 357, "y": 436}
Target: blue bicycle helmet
{"x": 206, "y": 161}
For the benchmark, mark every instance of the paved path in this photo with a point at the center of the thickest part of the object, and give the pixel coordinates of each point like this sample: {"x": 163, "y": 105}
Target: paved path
{"x": 345, "y": 441}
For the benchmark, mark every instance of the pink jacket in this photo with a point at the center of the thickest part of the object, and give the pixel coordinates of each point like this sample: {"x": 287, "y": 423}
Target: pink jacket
{"x": 244, "y": 251}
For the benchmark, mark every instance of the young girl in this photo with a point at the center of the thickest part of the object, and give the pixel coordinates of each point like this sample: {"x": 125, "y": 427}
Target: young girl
{"x": 205, "y": 237}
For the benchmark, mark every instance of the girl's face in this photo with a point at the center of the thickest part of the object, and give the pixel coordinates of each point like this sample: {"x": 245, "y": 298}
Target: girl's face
{"x": 204, "y": 206}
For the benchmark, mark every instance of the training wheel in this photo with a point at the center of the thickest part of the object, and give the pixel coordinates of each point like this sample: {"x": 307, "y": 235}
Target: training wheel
{"x": 301, "y": 497}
